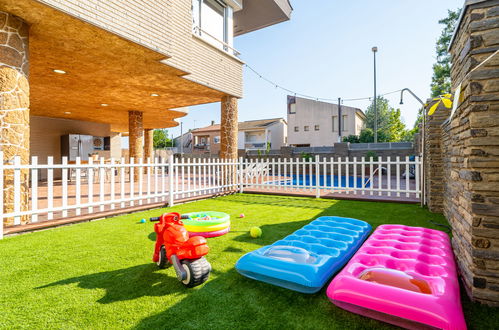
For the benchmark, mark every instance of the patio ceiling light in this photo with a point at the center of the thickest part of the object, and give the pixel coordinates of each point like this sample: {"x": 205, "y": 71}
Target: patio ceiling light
{"x": 154, "y": 94}
{"x": 104, "y": 105}
{"x": 67, "y": 112}
{"x": 59, "y": 71}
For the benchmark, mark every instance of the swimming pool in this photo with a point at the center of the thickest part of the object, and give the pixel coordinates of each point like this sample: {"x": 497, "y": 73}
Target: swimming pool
{"x": 327, "y": 181}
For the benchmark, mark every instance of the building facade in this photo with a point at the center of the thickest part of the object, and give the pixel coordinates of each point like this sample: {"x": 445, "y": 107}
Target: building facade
{"x": 316, "y": 124}
{"x": 252, "y": 135}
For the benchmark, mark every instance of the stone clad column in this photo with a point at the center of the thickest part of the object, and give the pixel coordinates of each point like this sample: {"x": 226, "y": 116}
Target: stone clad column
{"x": 228, "y": 128}
{"x": 14, "y": 104}
{"x": 433, "y": 167}
{"x": 136, "y": 135}
{"x": 149, "y": 144}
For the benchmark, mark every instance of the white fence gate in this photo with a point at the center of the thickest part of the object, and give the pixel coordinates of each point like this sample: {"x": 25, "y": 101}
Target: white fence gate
{"x": 72, "y": 189}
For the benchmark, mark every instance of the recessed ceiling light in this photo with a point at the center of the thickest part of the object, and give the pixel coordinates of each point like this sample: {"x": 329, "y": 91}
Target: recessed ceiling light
{"x": 104, "y": 105}
{"x": 59, "y": 71}
{"x": 67, "y": 112}
{"x": 154, "y": 94}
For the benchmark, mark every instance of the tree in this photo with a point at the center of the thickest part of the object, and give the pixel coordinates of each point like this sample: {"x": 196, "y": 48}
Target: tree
{"x": 366, "y": 135}
{"x": 391, "y": 128}
{"x": 351, "y": 139}
{"x": 440, "y": 81}
{"x": 160, "y": 139}
{"x": 396, "y": 127}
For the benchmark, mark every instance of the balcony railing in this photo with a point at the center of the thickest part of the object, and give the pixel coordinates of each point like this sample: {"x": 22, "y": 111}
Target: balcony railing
{"x": 255, "y": 145}
{"x": 215, "y": 41}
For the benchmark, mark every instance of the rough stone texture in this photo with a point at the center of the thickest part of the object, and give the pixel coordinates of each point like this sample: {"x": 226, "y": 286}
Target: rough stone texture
{"x": 136, "y": 135}
{"x": 14, "y": 106}
{"x": 433, "y": 167}
{"x": 229, "y": 128}
{"x": 148, "y": 144}
{"x": 469, "y": 147}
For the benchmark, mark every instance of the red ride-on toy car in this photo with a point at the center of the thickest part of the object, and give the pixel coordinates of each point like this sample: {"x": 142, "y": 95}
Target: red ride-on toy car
{"x": 174, "y": 247}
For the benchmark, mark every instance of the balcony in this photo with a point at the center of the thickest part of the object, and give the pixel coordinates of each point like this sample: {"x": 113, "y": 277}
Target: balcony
{"x": 255, "y": 146}
{"x": 202, "y": 146}
{"x": 257, "y": 15}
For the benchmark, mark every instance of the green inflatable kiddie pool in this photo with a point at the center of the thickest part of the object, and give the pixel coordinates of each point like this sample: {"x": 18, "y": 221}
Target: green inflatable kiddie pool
{"x": 207, "y": 223}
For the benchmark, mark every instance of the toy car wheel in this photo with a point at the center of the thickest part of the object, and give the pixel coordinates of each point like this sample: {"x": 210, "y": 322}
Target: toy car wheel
{"x": 163, "y": 260}
{"x": 198, "y": 271}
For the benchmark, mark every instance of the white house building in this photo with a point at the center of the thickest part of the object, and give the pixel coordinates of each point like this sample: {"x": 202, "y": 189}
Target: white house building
{"x": 316, "y": 124}
{"x": 252, "y": 135}
{"x": 260, "y": 134}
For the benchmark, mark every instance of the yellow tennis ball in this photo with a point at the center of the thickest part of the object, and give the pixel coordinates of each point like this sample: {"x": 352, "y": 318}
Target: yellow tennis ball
{"x": 255, "y": 232}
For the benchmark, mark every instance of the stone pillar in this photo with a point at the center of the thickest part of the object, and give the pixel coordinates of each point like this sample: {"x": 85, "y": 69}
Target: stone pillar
{"x": 14, "y": 104}
{"x": 149, "y": 144}
{"x": 470, "y": 150}
{"x": 136, "y": 135}
{"x": 433, "y": 167}
{"x": 228, "y": 128}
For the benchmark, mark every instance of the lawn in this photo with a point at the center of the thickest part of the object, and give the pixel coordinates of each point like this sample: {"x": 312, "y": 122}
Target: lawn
{"x": 99, "y": 275}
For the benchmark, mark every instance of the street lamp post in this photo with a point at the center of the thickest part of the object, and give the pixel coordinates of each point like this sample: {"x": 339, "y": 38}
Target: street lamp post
{"x": 375, "y": 49}
{"x": 423, "y": 142}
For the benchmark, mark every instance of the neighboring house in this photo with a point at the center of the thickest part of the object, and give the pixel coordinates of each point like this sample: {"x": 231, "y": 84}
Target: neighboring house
{"x": 253, "y": 135}
{"x": 102, "y": 68}
{"x": 316, "y": 124}
{"x": 183, "y": 143}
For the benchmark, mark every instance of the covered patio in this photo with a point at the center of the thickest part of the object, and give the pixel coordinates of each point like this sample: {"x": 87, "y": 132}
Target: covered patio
{"x": 62, "y": 75}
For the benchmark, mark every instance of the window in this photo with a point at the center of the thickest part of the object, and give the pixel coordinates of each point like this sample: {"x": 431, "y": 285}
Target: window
{"x": 212, "y": 20}
{"x": 344, "y": 119}
{"x": 335, "y": 123}
{"x": 291, "y": 104}
{"x": 203, "y": 140}
{"x": 316, "y": 127}
{"x": 216, "y": 139}
{"x": 306, "y": 128}
{"x": 297, "y": 129}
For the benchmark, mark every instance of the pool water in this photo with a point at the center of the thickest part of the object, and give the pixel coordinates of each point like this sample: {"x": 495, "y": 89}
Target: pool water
{"x": 328, "y": 181}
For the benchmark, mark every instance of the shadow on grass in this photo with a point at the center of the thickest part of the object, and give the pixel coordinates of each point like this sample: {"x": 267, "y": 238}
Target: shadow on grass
{"x": 127, "y": 284}
{"x": 272, "y": 232}
{"x": 231, "y": 301}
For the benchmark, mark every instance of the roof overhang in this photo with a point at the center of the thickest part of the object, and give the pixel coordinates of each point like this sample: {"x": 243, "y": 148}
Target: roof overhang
{"x": 259, "y": 14}
{"x": 102, "y": 69}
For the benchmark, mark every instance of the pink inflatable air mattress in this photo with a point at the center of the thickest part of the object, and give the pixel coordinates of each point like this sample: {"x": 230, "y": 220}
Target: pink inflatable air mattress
{"x": 402, "y": 275}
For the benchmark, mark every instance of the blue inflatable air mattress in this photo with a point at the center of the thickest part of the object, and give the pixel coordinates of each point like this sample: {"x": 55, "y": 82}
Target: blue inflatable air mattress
{"x": 305, "y": 260}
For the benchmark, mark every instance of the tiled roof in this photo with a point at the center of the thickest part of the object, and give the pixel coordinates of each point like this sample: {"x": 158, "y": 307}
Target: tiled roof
{"x": 243, "y": 126}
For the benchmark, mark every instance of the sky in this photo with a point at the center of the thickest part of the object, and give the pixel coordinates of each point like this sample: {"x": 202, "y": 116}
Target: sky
{"x": 325, "y": 51}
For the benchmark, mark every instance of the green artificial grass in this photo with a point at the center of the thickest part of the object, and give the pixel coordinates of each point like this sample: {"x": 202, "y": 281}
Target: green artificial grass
{"x": 99, "y": 275}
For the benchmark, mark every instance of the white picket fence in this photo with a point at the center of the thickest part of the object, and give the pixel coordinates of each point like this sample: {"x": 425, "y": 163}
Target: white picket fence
{"x": 358, "y": 176}
{"x": 79, "y": 188}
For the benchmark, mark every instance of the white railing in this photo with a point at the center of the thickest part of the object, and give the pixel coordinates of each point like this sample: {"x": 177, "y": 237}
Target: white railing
{"x": 382, "y": 177}
{"x": 197, "y": 31}
{"x": 38, "y": 192}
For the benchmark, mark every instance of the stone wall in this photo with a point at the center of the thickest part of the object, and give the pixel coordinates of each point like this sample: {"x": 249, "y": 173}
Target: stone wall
{"x": 14, "y": 105}
{"x": 470, "y": 149}
{"x": 343, "y": 150}
{"x": 433, "y": 168}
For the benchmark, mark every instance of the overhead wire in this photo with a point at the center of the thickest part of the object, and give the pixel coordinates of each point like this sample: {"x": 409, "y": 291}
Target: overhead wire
{"x": 295, "y": 93}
